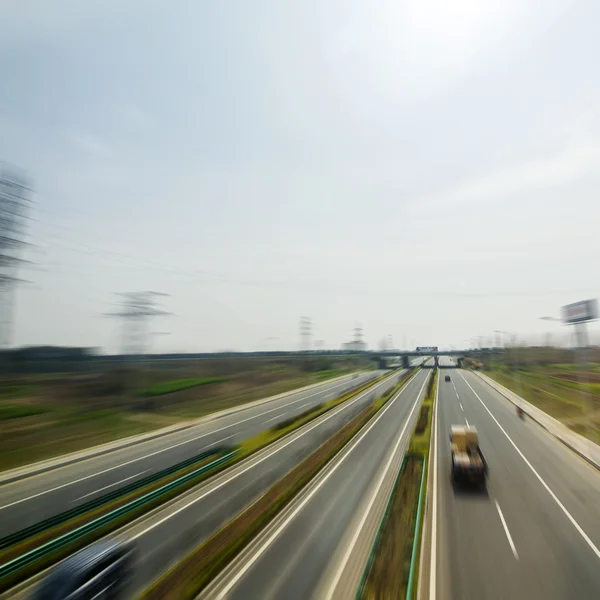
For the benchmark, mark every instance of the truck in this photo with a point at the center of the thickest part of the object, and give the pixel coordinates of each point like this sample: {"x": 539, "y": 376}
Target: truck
{"x": 469, "y": 466}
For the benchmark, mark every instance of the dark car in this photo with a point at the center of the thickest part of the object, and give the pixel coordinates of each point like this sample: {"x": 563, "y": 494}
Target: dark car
{"x": 447, "y": 378}
{"x": 101, "y": 570}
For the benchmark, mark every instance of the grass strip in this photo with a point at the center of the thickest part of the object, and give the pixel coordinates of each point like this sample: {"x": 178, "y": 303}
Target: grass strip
{"x": 177, "y": 385}
{"x": 244, "y": 450}
{"x": 396, "y": 546}
{"x": 190, "y": 576}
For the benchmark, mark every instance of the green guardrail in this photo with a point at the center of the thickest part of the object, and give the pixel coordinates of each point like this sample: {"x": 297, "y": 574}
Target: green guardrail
{"x": 360, "y": 589}
{"x": 46, "y": 524}
{"x": 417, "y": 536}
{"x": 28, "y": 558}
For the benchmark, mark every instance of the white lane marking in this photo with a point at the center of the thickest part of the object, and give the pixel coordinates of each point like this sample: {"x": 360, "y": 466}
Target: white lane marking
{"x": 358, "y": 531}
{"x": 276, "y": 417}
{"x": 221, "y": 440}
{"x": 106, "y": 487}
{"x": 510, "y": 540}
{"x": 467, "y": 422}
{"x": 461, "y": 406}
{"x": 264, "y": 546}
{"x": 233, "y": 476}
{"x": 433, "y": 565}
{"x": 189, "y": 441}
{"x": 539, "y": 477}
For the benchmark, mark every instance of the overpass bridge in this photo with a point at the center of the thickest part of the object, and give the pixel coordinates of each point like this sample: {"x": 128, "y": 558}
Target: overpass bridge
{"x": 404, "y": 357}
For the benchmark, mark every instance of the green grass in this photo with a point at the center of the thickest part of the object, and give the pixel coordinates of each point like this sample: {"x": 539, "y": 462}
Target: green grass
{"x": 9, "y": 392}
{"x": 177, "y": 385}
{"x": 590, "y": 388}
{"x": 330, "y": 373}
{"x": 18, "y": 411}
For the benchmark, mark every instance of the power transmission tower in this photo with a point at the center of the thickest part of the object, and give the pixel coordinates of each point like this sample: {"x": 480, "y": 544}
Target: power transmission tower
{"x": 15, "y": 200}
{"x": 305, "y": 333}
{"x": 358, "y": 334}
{"x": 136, "y": 310}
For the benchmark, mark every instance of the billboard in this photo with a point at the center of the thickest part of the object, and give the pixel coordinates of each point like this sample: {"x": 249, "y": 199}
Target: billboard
{"x": 426, "y": 349}
{"x": 580, "y": 312}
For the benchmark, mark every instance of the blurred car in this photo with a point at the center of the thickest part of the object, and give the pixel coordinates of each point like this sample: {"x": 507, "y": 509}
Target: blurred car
{"x": 447, "y": 378}
{"x": 100, "y": 571}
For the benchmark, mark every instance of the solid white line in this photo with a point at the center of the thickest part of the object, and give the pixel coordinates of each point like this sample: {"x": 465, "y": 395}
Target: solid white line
{"x": 233, "y": 476}
{"x": 109, "y": 486}
{"x": 358, "y": 531}
{"x": 433, "y": 565}
{"x": 188, "y": 441}
{"x": 546, "y": 486}
{"x": 510, "y": 540}
{"x": 264, "y": 546}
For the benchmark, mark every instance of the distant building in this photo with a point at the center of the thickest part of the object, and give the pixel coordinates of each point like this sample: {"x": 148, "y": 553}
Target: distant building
{"x": 356, "y": 346}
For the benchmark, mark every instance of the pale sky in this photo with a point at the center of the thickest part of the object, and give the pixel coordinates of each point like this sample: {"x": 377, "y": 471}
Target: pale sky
{"x": 429, "y": 169}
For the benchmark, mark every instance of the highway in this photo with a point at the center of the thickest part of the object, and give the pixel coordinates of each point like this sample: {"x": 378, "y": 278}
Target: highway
{"x": 28, "y": 501}
{"x": 535, "y": 532}
{"x": 292, "y": 558}
{"x": 167, "y": 535}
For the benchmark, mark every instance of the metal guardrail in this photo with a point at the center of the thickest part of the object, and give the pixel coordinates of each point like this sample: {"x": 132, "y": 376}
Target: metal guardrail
{"x": 46, "y": 524}
{"x": 417, "y": 534}
{"x": 15, "y": 565}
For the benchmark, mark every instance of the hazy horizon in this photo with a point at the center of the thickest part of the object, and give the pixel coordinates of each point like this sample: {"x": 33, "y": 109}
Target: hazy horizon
{"x": 426, "y": 169}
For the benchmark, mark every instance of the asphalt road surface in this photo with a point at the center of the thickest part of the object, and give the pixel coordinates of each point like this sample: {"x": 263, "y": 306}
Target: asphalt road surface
{"x": 166, "y": 537}
{"x": 292, "y": 559}
{"x": 535, "y": 532}
{"x": 31, "y": 500}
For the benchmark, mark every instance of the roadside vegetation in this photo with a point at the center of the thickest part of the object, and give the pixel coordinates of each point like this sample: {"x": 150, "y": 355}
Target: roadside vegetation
{"x": 177, "y": 385}
{"x": 397, "y": 545}
{"x": 569, "y": 393}
{"x": 43, "y": 415}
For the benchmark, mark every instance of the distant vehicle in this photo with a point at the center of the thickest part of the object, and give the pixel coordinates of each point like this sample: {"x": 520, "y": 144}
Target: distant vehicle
{"x": 468, "y": 464}
{"x": 102, "y": 570}
{"x": 521, "y": 412}
{"x": 447, "y": 378}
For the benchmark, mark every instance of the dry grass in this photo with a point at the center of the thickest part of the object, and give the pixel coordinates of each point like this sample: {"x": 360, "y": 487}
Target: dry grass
{"x": 578, "y": 410}
{"x": 388, "y": 576}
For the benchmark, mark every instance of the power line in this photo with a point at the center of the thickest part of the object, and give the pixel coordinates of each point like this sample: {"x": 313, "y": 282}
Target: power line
{"x": 136, "y": 310}
{"x": 305, "y": 333}
{"x": 15, "y": 199}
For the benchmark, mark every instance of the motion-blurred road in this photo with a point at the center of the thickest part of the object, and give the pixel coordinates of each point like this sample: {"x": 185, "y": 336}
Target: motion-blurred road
{"x": 292, "y": 564}
{"x": 30, "y": 500}
{"x": 535, "y": 533}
